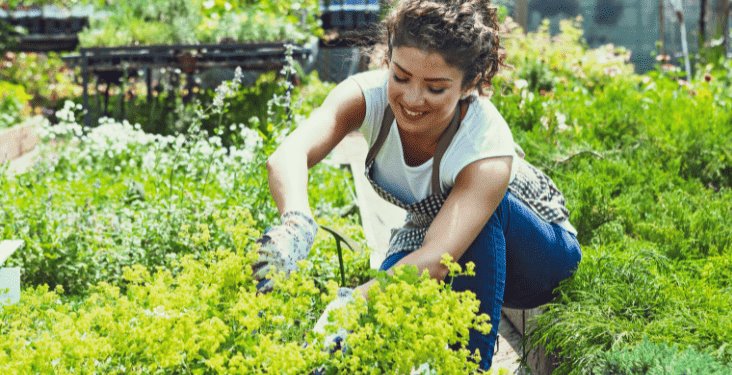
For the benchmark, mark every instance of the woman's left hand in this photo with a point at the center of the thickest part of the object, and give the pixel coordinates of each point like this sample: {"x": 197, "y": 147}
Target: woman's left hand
{"x": 336, "y": 340}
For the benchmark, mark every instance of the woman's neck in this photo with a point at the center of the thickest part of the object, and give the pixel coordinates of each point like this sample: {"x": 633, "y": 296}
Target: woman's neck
{"x": 419, "y": 148}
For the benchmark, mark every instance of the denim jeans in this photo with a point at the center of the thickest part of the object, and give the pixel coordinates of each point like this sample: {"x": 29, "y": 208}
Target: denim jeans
{"x": 519, "y": 261}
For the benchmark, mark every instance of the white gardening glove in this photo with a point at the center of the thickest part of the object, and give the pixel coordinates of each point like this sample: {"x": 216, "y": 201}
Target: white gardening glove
{"x": 282, "y": 246}
{"x": 334, "y": 341}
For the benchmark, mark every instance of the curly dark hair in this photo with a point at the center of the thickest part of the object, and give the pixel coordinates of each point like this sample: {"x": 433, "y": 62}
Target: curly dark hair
{"x": 463, "y": 32}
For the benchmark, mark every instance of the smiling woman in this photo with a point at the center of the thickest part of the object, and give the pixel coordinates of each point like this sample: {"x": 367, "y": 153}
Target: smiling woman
{"x": 439, "y": 149}
{"x": 423, "y": 97}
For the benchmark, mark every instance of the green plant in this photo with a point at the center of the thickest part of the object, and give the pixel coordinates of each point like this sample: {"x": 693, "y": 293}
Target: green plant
{"x": 13, "y": 104}
{"x": 44, "y": 76}
{"x": 207, "y": 317}
{"x": 641, "y": 162}
{"x": 658, "y": 358}
{"x": 414, "y": 311}
{"x": 172, "y": 22}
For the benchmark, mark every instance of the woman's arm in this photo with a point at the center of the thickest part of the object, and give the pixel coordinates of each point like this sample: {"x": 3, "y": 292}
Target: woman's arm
{"x": 478, "y": 190}
{"x": 342, "y": 111}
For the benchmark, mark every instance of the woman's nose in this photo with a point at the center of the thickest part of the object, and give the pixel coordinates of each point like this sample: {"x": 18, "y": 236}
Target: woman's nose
{"x": 413, "y": 97}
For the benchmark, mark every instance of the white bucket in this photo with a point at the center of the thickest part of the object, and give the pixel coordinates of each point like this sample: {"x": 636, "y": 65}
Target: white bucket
{"x": 9, "y": 276}
{"x": 9, "y": 285}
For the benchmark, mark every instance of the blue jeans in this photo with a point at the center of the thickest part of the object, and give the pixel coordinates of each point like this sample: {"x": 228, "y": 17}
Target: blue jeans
{"x": 519, "y": 261}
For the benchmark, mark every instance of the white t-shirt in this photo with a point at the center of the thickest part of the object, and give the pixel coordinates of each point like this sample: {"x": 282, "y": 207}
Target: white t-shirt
{"x": 483, "y": 133}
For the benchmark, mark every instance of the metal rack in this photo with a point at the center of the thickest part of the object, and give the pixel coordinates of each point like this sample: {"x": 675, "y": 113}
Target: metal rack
{"x": 109, "y": 64}
{"x": 349, "y": 14}
{"x": 49, "y": 28}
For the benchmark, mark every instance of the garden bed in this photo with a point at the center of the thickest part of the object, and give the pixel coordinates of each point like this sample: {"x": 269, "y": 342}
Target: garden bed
{"x": 19, "y": 140}
{"x": 132, "y": 236}
{"x": 536, "y": 358}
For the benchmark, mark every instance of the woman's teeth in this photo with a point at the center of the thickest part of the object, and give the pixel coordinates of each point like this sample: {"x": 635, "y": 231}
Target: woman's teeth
{"x": 413, "y": 113}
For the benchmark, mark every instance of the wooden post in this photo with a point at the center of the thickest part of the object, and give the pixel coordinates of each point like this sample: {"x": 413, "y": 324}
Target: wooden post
{"x": 702, "y": 23}
{"x": 661, "y": 29}
{"x": 679, "y": 11}
{"x": 719, "y": 25}
{"x": 85, "y": 85}
{"x": 521, "y": 13}
{"x": 725, "y": 26}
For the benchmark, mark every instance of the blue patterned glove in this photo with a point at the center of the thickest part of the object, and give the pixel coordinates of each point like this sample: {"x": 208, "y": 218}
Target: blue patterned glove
{"x": 335, "y": 341}
{"x": 282, "y": 246}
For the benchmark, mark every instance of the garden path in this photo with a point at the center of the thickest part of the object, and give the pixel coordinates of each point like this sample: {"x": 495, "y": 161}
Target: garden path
{"x": 378, "y": 217}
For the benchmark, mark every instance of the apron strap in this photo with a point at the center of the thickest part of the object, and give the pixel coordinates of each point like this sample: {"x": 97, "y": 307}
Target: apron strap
{"x": 442, "y": 144}
{"x": 383, "y": 133}
{"x": 445, "y": 140}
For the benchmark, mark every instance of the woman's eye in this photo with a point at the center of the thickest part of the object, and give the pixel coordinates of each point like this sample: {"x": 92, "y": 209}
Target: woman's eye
{"x": 400, "y": 80}
{"x": 436, "y": 91}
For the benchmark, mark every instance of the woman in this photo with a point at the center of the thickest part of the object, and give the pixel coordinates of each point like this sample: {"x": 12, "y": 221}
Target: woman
{"x": 439, "y": 149}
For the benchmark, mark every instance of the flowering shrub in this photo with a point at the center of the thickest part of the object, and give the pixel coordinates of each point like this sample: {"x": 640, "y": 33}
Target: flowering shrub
{"x": 408, "y": 324}
{"x": 43, "y": 76}
{"x": 207, "y": 318}
{"x": 113, "y": 196}
{"x": 137, "y": 227}
{"x": 545, "y": 60}
{"x": 642, "y": 162}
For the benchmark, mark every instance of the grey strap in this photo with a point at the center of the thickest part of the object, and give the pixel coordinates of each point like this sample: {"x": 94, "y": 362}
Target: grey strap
{"x": 442, "y": 144}
{"x": 383, "y": 133}
{"x": 445, "y": 139}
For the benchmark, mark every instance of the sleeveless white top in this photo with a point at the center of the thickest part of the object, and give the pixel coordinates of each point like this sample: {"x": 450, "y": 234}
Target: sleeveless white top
{"x": 483, "y": 133}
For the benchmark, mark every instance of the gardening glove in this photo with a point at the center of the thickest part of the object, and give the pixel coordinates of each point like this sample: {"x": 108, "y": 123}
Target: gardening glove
{"x": 283, "y": 245}
{"x": 335, "y": 341}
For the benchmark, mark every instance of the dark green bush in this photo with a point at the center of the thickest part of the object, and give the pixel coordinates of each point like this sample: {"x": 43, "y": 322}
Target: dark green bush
{"x": 658, "y": 359}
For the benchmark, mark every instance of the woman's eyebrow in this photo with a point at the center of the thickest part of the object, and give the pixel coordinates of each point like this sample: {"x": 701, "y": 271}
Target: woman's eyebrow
{"x": 426, "y": 79}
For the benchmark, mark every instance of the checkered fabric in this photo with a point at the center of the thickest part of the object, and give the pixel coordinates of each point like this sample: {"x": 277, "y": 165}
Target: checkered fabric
{"x": 539, "y": 192}
{"x": 530, "y": 185}
{"x": 419, "y": 217}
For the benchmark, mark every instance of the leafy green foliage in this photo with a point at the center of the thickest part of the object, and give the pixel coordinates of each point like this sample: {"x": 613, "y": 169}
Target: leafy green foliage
{"x": 140, "y": 22}
{"x": 13, "y": 104}
{"x": 120, "y": 215}
{"x": 644, "y": 165}
{"x": 409, "y": 310}
{"x": 9, "y": 36}
{"x": 44, "y": 77}
{"x": 168, "y": 113}
{"x": 206, "y": 317}
{"x": 653, "y": 358}
{"x": 628, "y": 291}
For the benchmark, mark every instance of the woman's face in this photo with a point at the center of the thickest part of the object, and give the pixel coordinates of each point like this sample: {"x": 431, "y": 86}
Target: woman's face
{"x": 423, "y": 90}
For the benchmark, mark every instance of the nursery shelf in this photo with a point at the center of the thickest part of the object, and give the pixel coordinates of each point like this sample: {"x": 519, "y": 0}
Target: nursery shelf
{"x": 109, "y": 64}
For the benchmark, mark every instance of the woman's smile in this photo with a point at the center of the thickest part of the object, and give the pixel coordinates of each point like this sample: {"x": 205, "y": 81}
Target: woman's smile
{"x": 423, "y": 91}
{"x": 413, "y": 116}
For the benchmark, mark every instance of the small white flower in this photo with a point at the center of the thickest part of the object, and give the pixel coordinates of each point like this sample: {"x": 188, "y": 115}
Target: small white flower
{"x": 544, "y": 122}
{"x": 561, "y": 122}
{"x": 521, "y": 84}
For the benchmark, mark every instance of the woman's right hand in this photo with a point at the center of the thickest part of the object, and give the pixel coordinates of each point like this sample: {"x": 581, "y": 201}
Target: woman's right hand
{"x": 282, "y": 246}
{"x": 343, "y": 111}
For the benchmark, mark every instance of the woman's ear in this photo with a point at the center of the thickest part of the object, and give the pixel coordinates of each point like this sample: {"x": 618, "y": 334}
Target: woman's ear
{"x": 469, "y": 90}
